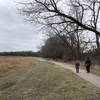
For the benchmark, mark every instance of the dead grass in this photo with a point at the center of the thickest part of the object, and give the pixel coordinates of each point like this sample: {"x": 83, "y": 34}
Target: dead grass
{"x": 35, "y": 80}
{"x": 8, "y": 64}
{"x": 96, "y": 70}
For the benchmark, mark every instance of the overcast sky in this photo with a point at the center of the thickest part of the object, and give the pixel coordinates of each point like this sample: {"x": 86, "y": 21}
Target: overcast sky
{"x": 15, "y": 34}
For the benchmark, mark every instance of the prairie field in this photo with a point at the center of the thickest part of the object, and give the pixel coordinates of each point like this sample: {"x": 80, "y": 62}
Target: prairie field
{"x": 27, "y": 78}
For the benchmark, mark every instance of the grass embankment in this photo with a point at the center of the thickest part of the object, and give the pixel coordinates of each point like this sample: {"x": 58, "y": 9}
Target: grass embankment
{"x": 96, "y": 71}
{"x": 30, "y": 79}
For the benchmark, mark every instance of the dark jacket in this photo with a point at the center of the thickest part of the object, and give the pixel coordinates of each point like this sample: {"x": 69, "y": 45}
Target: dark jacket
{"x": 88, "y": 62}
{"x": 77, "y": 63}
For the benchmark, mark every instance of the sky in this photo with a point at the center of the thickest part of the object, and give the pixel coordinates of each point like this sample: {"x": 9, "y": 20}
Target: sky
{"x": 15, "y": 33}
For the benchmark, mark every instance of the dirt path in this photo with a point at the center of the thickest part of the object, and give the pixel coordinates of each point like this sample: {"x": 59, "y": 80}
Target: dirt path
{"x": 88, "y": 77}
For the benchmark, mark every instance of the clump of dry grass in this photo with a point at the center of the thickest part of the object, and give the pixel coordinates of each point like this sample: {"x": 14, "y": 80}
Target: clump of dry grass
{"x": 11, "y": 63}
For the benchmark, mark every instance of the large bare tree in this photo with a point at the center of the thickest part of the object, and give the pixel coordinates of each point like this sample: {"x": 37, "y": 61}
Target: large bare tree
{"x": 39, "y": 10}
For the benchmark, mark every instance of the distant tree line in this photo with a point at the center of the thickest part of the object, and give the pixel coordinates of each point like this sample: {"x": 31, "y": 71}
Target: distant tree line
{"x": 22, "y": 53}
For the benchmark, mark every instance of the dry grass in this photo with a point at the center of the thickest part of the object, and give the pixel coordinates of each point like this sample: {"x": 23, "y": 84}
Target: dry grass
{"x": 30, "y": 79}
{"x": 8, "y": 64}
{"x": 96, "y": 70}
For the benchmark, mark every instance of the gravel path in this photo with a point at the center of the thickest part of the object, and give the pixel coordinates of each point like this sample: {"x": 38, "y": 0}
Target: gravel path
{"x": 82, "y": 73}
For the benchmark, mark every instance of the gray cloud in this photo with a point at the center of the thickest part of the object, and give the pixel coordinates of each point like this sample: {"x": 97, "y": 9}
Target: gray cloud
{"x": 15, "y": 34}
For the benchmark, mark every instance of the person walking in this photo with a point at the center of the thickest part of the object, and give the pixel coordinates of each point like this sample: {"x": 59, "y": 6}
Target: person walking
{"x": 88, "y": 64}
{"x": 77, "y": 65}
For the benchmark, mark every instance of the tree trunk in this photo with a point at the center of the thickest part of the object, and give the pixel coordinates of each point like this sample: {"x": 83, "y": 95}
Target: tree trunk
{"x": 98, "y": 49}
{"x": 97, "y": 41}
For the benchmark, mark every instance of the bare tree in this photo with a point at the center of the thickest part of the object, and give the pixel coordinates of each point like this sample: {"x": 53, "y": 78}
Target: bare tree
{"x": 72, "y": 37}
{"x": 92, "y": 9}
{"x": 39, "y": 10}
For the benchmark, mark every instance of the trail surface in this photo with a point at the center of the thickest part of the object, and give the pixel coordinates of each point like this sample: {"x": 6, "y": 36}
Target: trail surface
{"x": 86, "y": 76}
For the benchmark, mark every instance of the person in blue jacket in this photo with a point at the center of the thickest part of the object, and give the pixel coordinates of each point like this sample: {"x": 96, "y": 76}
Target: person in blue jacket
{"x": 77, "y": 66}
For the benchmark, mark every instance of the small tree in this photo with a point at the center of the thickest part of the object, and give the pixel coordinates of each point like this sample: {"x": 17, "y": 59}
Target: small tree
{"x": 55, "y": 48}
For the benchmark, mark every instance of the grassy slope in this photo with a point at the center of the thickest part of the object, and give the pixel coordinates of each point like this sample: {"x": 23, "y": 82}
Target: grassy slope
{"x": 96, "y": 71}
{"x": 35, "y": 80}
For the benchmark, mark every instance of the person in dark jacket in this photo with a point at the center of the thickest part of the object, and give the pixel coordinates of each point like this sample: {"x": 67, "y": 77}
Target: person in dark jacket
{"x": 77, "y": 65}
{"x": 88, "y": 64}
